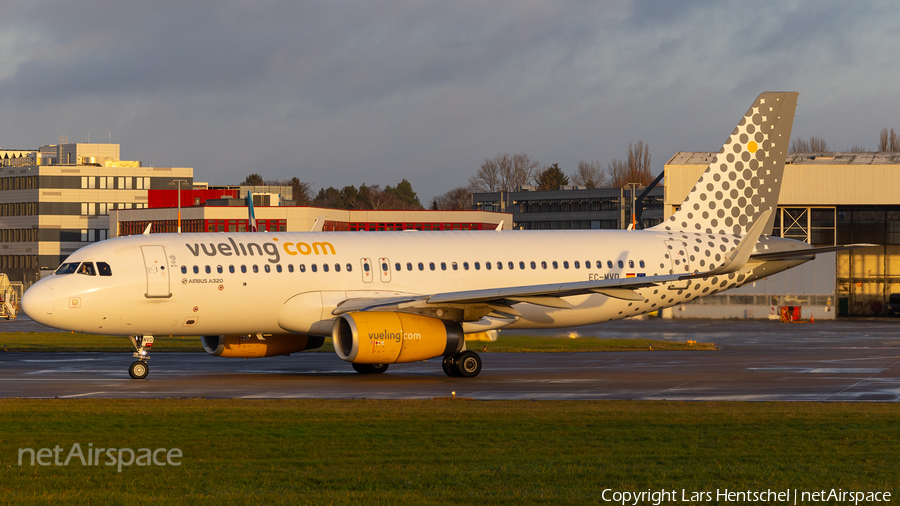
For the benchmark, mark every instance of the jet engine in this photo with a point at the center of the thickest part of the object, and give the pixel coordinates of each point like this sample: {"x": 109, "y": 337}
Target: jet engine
{"x": 381, "y": 337}
{"x": 259, "y": 345}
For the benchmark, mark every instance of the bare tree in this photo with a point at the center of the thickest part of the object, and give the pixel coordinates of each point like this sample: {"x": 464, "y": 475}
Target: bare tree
{"x": 889, "y": 141}
{"x": 590, "y": 174}
{"x": 457, "y": 199}
{"x": 618, "y": 173}
{"x": 487, "y": 179}
{"x": 857, "y": 148}
{"x": 504, "y": 172}
{"x": 636, "y": 167}
{"x": 813, "y": 145}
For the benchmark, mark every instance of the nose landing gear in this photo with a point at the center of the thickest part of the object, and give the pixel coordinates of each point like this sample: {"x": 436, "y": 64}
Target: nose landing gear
{"x": 140, "y": 369}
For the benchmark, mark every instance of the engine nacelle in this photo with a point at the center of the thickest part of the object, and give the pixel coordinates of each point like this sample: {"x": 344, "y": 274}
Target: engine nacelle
{"x": 381, "y": 337}
{"x": 259, "y": 345}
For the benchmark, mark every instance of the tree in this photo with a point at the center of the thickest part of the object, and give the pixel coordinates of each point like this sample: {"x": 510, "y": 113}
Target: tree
{"x": 552, "y": 178}
{"x": 406, "y": 197}
{"x": 504, "y": 173}
{"x": 636, "y": 167}
{"x": 813, "y": 145}
{"x": 457, "y": 199}
{"x": 857, "y": 148}
{"x": 254, "y": 180}
{"x": 590, "y": 174}
{"x": 888, "y": 142}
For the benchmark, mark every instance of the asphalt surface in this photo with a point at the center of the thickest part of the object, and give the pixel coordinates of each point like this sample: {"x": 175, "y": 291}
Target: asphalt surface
{"x": 847, "y": 360}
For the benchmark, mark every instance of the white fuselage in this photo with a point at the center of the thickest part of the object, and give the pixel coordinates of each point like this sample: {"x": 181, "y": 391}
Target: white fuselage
{"x": 278, "y": 282}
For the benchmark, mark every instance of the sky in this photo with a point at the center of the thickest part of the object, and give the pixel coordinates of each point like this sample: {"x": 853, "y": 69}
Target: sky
{"x": 340, "y": 93}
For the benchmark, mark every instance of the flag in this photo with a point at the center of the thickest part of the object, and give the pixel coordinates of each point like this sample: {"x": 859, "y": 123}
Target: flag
{"x": 252, "y": 227}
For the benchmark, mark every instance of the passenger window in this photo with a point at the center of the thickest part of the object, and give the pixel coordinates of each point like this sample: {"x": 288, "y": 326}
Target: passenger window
{"x": 409, "y": 266}
{"x": 337, "y": 267}
{"x": 278, "y": 268}
{"x": 324, "y": 267}
{"x": 244, "y": 269}
{"x": 511, "y": 265}
{"x": 641, "y": 263}
{"x": 255, "y": 268}
{"x": 103, "y": 269}
{"x": 477, "y": 266}
{"x": 397, "y": 266}
{"x": 231, "y": 269}
{"x": 543, "y": 264}
{"x": 349, "y": 268}
{"x": 533, "y": 265}
{"x": 365, "y": 267}
{"x": 565, "y": 264}
{"x": 465, "y": 265}
{"x": 313, "y": 267}
{"x": 290, "y": 267}
{"x": 499, "y": 266}
{"x": 577, "y": 264}
{"x": 384, "y": 266}
{"x": 208, "y": 269}
{"x": 219, "y": 269}
{"x": 443, "y": 266}
{"x": 621, "y": 264}
{"x": 87, "y": 269}
{"x": 631, "y": 264}
{"x": 184, "y": 269}
{"x": 196, "y": 270}
{"x": 421, "y": 266}
{"x": 455, "y": 267}
{"x": 267, "y": 268}
{"x": 68, "y": 268}
{"x": 487, "y": 265}
{"x": 599, "y": 264}
{"x": 609, "y": 264}
{"x": 555, "y": 265}
{"x": 431, "y": 265}
{"x": 302, "y": 267}
{"x": 522, "y": 265}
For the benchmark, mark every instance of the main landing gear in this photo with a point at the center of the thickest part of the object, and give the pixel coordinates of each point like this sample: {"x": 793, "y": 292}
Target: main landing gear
{"x": 465, "y": 364}
{"x": 140, "y": 369}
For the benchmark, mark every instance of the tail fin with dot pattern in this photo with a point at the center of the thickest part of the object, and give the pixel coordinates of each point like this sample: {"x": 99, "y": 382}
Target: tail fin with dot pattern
{"x": 744, "y": 180}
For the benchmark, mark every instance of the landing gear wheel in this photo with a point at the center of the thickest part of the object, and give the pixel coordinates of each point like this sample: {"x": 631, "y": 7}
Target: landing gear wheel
{"x": 468, "y": 364}
{"x": 139, "y": 370}
{"x": 370, "y": 368}
{"x": 449, "y": 366}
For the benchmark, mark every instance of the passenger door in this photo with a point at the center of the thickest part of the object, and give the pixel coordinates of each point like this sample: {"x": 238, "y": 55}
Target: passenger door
{"x": 157, "y": 272}
{"x": 385, "y": 266}
{"x": 367, "y": 273}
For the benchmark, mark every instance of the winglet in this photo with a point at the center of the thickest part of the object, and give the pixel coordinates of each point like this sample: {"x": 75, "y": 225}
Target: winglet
{"x": 318, "y": 225}
{"x": 499, "y": 226}
{"x": 147, "y": 230}
{"x": 744, "y": 249}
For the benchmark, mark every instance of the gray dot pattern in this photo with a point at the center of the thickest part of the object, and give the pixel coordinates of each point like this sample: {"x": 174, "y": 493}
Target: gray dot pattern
{"x": 744, "y": 179}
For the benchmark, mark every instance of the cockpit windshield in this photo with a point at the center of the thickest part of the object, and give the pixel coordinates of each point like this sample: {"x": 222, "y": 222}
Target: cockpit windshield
{"x": 67, "y": 268}
{"x": 87, "y": 269}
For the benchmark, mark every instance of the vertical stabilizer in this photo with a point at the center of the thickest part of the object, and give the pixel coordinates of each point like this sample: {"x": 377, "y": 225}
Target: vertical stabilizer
{"x": 743, "y": 182}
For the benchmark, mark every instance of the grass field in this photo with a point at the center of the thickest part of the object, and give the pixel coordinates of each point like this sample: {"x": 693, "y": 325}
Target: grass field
{"x": 72, "y": 342}
{"x": 443, "y": 451}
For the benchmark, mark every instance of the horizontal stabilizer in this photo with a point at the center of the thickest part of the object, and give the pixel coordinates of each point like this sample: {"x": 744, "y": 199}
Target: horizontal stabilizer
{"x": 806, "y": 252}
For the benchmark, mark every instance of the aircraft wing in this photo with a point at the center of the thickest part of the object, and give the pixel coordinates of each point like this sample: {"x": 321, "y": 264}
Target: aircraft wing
{"x": 807, "y": 252}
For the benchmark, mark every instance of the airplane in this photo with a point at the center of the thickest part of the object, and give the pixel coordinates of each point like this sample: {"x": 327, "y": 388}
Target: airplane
{"x": 396, "y": 297}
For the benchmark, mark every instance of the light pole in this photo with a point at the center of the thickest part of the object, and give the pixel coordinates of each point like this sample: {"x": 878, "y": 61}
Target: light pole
{"x": 178, "y": 182}
{"x": 634, "y": 186}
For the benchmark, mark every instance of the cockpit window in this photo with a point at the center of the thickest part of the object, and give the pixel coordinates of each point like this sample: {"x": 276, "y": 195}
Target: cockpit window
{"x": 67, "y": 268}
{"x": 103, "y": 269}
{"x": 87, "y": 269}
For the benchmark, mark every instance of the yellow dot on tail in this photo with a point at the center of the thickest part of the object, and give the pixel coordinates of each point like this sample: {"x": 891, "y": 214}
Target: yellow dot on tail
{"x": 752, "y": 147}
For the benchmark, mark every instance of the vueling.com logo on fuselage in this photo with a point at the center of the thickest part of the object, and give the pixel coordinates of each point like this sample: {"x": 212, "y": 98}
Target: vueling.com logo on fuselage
{"x": 270, "y": 249}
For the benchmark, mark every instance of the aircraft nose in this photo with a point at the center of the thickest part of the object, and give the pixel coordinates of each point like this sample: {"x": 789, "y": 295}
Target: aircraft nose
{"x": 37, "y": 302}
